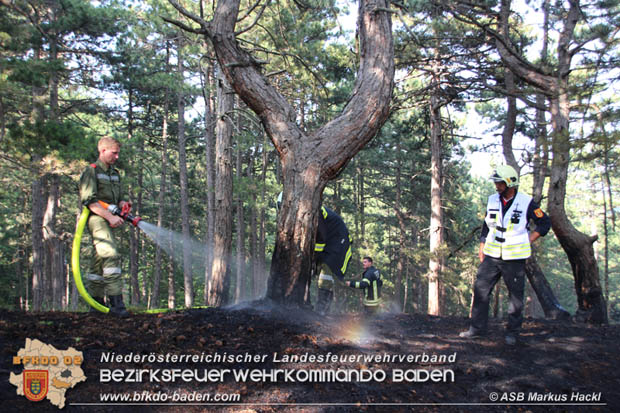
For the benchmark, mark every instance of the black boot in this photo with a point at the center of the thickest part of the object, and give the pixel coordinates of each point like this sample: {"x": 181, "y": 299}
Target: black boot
{"x": 100, "y": 301}
{"x": 117, "y": 306}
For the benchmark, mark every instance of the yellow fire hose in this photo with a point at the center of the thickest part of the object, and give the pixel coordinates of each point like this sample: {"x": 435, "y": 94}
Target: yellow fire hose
{"x": 75, "y": 263}
{"x": 77, "y": 276}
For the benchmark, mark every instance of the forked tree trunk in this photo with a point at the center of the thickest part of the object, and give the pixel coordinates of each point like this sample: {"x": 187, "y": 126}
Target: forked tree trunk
{"x": 308, "y": 161}
{"x": 578, "y": 246}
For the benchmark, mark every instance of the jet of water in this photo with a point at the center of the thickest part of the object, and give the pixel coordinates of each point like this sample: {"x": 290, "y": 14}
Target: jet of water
{"x": 174, "y": 244}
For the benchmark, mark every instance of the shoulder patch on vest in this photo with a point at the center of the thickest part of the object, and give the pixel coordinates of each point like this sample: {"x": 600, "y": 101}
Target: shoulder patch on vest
{"x": 539, "y": 213}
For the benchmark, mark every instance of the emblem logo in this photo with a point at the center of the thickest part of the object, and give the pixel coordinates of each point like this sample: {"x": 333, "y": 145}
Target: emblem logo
{"x": 36, "y": 384}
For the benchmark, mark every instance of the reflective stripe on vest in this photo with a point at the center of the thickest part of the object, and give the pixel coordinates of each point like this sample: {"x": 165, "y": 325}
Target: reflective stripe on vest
{"x": 506, "y": 239}
{"x": 347, "y": 257}
{"x": 376, "y": 300}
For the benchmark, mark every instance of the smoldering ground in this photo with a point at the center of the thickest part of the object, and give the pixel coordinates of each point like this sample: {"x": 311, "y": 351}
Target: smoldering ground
{"x": 554, "y": 358}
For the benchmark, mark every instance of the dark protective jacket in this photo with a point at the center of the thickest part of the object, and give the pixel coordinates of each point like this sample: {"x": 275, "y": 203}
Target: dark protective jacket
{"x": 371, "y": 282}
{"x": 333, "y": 243}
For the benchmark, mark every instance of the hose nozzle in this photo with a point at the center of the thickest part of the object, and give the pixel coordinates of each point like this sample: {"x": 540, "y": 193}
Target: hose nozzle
{"x": 123, "y": 213}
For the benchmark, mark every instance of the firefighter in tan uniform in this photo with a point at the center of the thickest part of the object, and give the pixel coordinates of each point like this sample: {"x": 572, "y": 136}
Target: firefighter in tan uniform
{"x": 100, "y": 181}
{"x": 505, "y": 244}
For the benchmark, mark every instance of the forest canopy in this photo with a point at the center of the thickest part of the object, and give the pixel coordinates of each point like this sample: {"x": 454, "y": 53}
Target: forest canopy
{"x": 477, "y": 84}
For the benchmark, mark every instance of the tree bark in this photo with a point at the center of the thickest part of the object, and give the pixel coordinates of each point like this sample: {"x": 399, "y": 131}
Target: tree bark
{"x": 54, "y": 251}
{"x": 218, "y": 291}
{"x": 402, "y": 234}
{"x": 260, "y": 274}
{"x": 578, "y": 246}
{"x": 157, "y": 271}
{"x": 361, "y": 202}
{"x": 171, "y": 287}
{"x": 253, "y": 228}
{"x": 188, "y": 282}
{"x": 436, "y": 232}
{"x": 137, "y": 210}
{"x": 240, "y": 244}
{"x": 208, "y": 85}
{"x": 133, "y": 233}
{"x": 38, "y": 251}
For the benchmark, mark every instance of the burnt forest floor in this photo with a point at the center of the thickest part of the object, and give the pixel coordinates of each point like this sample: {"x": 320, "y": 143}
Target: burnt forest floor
{"x": 556, "y": 367}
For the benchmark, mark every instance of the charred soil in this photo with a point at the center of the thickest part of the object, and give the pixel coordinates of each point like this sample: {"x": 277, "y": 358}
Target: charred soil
{"x": 556, "y": 366}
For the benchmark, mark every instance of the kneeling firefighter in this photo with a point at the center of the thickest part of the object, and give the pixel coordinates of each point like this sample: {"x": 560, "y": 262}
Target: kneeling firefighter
{"x": 332, "y": 251}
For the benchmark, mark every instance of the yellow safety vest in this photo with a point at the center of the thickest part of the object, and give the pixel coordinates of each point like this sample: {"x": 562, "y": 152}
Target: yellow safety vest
{"x": 508, "y": 238}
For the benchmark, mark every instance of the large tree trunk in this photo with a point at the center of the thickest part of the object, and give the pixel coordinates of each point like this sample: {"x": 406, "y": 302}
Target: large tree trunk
{"x": 218, "y": 291}
{"x": 578, "y": 246}
{"x": 535, "y": 275}
{"x": 292, "y": 257}
{"x": 308, "y": 161}
{"x": 54, "y": 251}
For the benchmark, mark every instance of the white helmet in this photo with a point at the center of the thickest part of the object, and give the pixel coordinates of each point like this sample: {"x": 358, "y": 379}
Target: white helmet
{"x": 506, "y": 174}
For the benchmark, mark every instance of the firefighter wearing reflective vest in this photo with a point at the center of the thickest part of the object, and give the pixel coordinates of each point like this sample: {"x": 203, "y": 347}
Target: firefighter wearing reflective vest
{"x": 505, "y": 244}
{"x": 100, "y": 181}
{"x": 333, "y": 252}
{"x": 371, "y": 282}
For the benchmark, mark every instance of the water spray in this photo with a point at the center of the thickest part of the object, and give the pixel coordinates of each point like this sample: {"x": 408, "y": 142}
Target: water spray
{"x": 165, "y": 239}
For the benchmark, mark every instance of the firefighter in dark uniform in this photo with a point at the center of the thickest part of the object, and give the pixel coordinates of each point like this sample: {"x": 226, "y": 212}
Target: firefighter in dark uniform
{"x": 505, "y": 244}
{"x": 371, "y": 282}
{"x": 332, "y": 252}
{"x": 100, "y": 181}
